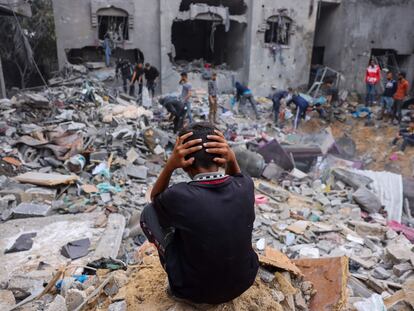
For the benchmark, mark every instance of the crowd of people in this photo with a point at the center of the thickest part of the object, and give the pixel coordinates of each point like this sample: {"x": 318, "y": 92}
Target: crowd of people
{"x": 391, "y": 101}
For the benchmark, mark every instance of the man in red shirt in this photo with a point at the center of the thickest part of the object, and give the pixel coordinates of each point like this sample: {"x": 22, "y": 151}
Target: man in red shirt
{"x": 372, "y": 78}
{"x": 399, "y": 97}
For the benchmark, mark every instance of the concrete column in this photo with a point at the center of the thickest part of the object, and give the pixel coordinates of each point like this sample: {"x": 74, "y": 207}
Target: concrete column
{"x": 2, "y": 84}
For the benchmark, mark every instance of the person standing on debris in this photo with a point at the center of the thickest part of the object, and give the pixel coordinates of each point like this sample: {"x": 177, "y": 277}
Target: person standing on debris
{"x": 399, "y": 97}
{"x": 332, "y": 99}
{"x": 276, "y": 99}
{"x": 301, "y": 107}
{"x": 151, "y": 75}
{"x": 387, "y": 99}
{"x": 243, "y": 95}
{"x": 203, "y": 228}
{"x": 407, "y": 135}
{"x": 125, "y": 67}
{"x": 138, "y": 76}
{"x": 186, "y": 94}
{"x": 107, "y": 45}
{"x": 372, "y": 78}
{"x": 212, "y": 98}
{"x": 176, "y": 108}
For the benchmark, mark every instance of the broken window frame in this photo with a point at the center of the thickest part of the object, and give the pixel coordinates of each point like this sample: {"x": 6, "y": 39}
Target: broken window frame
{"x": 277, "y": 36}
{"x": 115, "y": 14}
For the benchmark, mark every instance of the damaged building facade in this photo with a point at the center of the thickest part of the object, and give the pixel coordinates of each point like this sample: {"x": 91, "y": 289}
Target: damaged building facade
{"x": 263, "y": 43}
{"x": 350, "y": 32}
{"x": 259, "y": 42}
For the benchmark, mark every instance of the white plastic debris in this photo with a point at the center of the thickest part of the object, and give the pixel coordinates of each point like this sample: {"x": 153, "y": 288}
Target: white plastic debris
{"x": 261, "y": 244}
{"x": 373, "y": 303}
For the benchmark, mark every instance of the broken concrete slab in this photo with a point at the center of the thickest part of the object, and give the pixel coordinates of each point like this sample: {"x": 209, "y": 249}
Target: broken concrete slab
{"x": 44, "y": 179}
{"x": 26, "y": 210}
{"x": 23, "y": 243}
{"x": 352, "y": 179}
{"x": 58, "y": 304}
{"x": 52, "y": 233}
{"x": 138, "y": 172}
{"x": 277, "y": 259}
{"x": 367, "y": 200}
{"x": 118, "y": 306}
{"x": 329, "y": 277}
{"x": 7, "y": 299}
{"x": 401, "y": 268}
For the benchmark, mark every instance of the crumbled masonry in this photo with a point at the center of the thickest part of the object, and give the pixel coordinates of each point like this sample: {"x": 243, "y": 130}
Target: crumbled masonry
{"x": 77, "y": 163}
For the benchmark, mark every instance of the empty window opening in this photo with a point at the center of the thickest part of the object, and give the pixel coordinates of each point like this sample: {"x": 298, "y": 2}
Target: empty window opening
{"x": 93, "y": 54}
{"x": 114, "y": 23}
{"x": 207, "y": 40}
{"x": 278, "y": 30}
{"x": 236, "y": 7}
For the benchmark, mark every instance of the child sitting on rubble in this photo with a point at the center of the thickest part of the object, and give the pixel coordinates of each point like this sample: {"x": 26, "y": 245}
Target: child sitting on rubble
{"x": 203, "y": 229}
{"x": 407, "y": 135}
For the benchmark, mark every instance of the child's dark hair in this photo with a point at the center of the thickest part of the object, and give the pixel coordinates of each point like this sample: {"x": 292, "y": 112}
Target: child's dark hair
{"x": 200, "y": 130}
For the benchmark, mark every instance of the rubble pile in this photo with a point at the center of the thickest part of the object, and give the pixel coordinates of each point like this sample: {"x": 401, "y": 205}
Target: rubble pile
{"x": 77, "y": 162}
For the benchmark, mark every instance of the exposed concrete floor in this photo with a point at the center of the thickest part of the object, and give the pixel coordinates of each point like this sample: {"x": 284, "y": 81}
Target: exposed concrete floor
{"x": 52, "y": 233}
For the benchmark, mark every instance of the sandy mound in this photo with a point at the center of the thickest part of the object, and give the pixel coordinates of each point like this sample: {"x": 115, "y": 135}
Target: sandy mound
{"x": 146, "y": 292}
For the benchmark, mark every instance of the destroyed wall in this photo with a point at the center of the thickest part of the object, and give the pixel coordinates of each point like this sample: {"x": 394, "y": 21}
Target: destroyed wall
{"x": 230, "y": 44}
{"x": 77, "y": 26}
{"x": 350, "y": 31}
{"x": 282, "y": 65}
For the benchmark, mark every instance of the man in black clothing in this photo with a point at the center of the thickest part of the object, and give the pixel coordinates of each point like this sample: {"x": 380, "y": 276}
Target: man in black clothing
{"x": 138, "y": 76}
{"x": 177, "y": 109}
{"x": 203, "y": 228}
{"x": 151, "y": 75}
{"x": 125, "y": 67}
{"x": 387, "y": 99}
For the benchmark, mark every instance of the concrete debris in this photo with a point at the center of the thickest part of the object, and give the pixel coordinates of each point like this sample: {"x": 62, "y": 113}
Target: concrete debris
{"x": 77, "y": 163}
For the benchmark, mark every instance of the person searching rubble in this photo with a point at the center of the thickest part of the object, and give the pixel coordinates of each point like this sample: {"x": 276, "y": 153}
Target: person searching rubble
{"x": 302, "y": 106}
{"x": 203, "y": 229}
{"x": 400, "y": 96}
{"x": 212, "y": 98}
{"x": 407, "y": 135}
{"x": 277, "y": 99}
{"x": 387, "y": 98}
{"x": 372, "y": 78}
{"x": 138, "y": 76}
{"x": 244, "y": 94}
{"x": 151, "y": 76}
{"x": 124, "y": 67}
{"x": 186, "y": 93}
{"x": 176, "y": 108}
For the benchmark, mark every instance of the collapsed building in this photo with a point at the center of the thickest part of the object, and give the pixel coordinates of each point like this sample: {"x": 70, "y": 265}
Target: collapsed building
{"x": 263, "y": 43}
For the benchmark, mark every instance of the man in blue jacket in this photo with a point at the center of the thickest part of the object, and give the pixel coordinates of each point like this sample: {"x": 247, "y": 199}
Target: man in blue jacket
{"x": 301, "y": 107}
{"x": 243, "y": 95}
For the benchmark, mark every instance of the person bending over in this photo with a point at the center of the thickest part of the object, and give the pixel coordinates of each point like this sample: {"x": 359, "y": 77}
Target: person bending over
{"x": 203, "y": 229}
{"x": 407, "y": 135}
{"x": 176, "y": 108}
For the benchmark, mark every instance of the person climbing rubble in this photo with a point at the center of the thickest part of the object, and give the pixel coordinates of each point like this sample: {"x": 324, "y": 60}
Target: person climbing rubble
{"x": 301, "y": 107}
{"x": 151, "y": 76}
{"x": 203, "y": 229}
{"x": 244, "y": 94}
{"x": 138, "y": 76}
{"x": 387, "y": 99}
{"x": 212, "y": 98}
{"x": 176, "y": 108}
{"x": 399, "y": 97}
{"x": 277, "y": 102}
{"x": 372, "y": 78}
{"x": 124, "y": 67}
{"x": 407, "y": 135}
{"x": 186, "y": 93}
